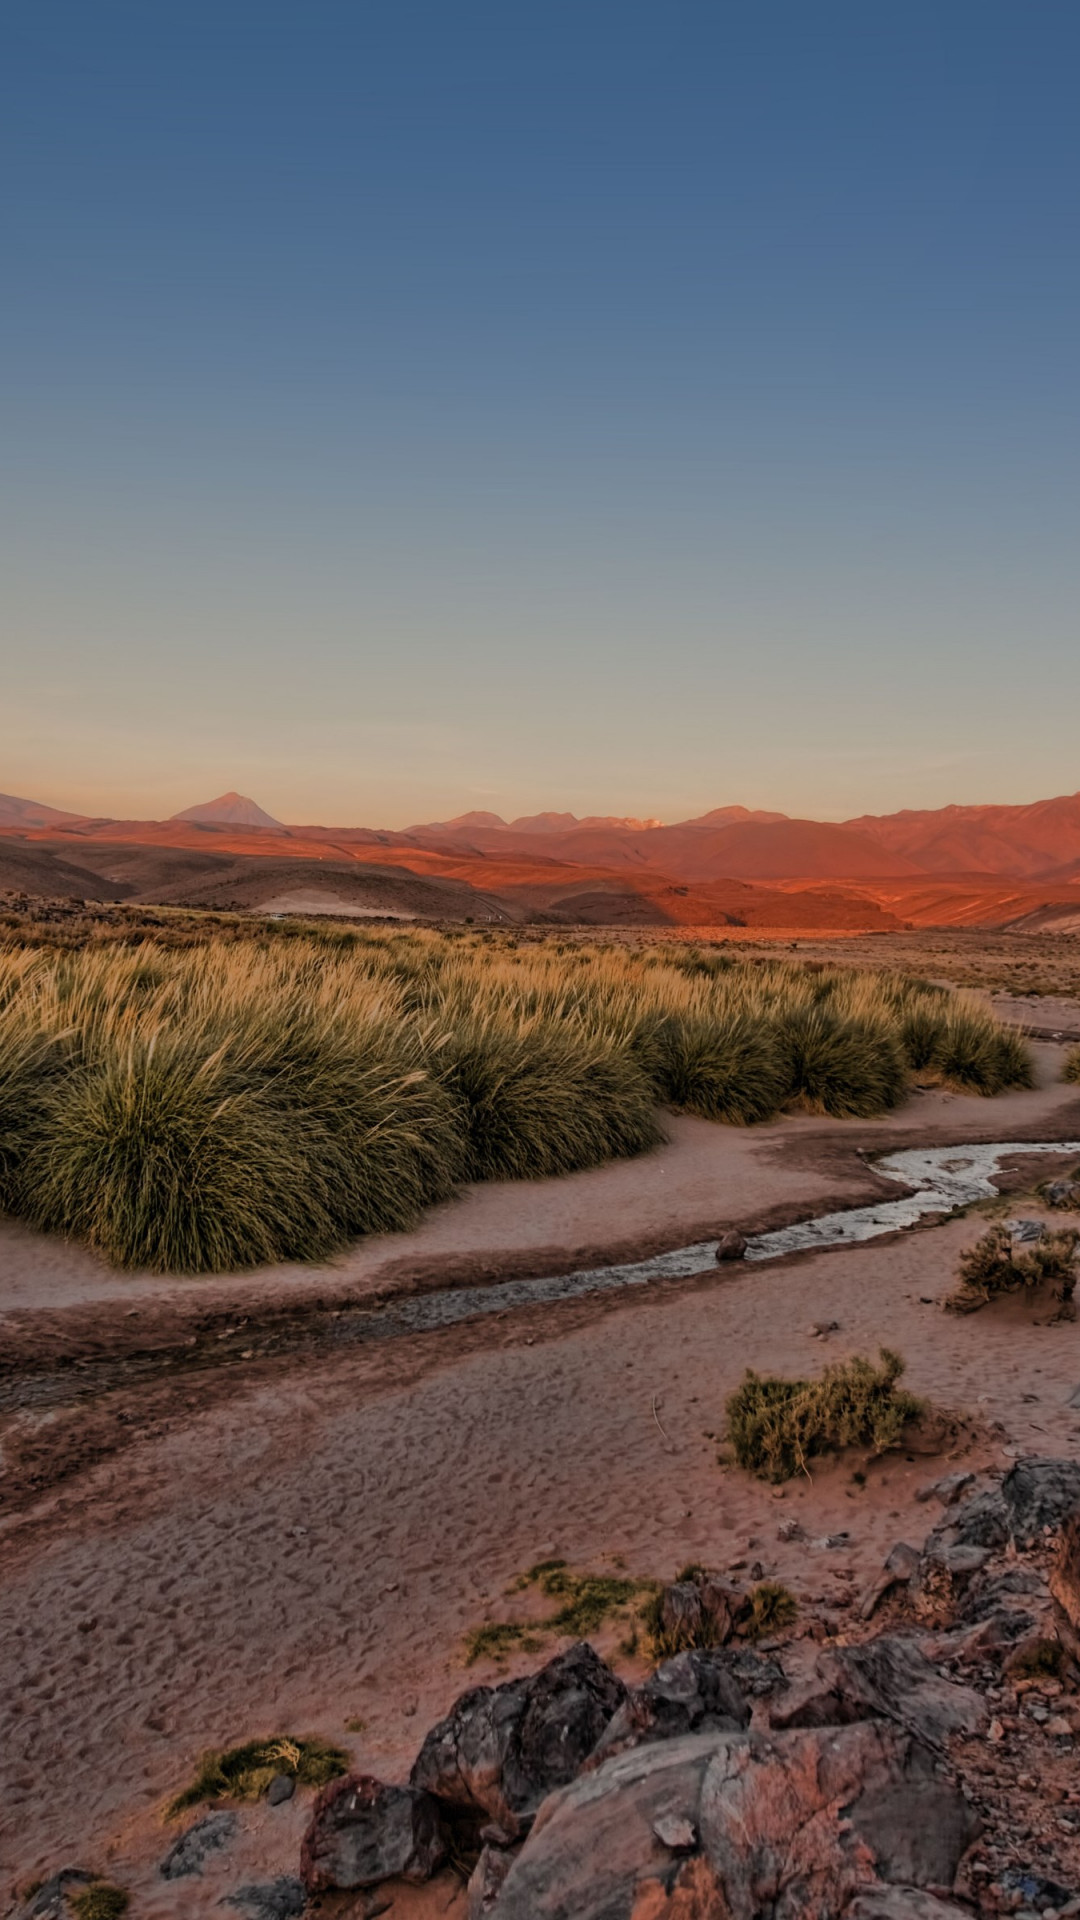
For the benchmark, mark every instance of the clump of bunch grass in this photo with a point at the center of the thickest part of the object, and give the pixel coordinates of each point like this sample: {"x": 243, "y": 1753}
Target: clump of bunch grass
{"x": 1071, "y": 1069}
{"x": 777, "y": 1426}
{"x": 586, "y": 1600}
{"x": 101, "y": 1901}
{"x": 496, "y": 1638}
{"x": 200, "y": 1109}
{"x": 995, "y": 1265}
{"x": 245, "y": 1772}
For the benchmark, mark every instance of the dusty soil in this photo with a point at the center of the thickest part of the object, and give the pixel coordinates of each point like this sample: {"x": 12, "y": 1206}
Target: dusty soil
{"x": 295, "y": 1537}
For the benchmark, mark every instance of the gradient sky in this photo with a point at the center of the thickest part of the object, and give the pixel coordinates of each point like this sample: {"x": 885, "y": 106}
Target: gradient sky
{"x": 425, "y": 405}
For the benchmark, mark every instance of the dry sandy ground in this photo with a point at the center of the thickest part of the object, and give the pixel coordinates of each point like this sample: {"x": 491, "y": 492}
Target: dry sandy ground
{"x": 312, "y": 1548}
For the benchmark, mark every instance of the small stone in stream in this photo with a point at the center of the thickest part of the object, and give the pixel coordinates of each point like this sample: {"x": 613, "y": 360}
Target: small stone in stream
{"x": 679, "y": 1835}
{"x": 49, "y": 1902}
{"x": 282, "y": 1787}
{"x": 363, "y": 1832}
{"x": 731, "y": 1246}
{"x": 281, "y": 1899}
{"x": 186, "y": 1855}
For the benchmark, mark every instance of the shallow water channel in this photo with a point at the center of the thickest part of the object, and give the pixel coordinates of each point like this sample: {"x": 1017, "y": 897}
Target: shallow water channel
{"x": 941, "y": 1180}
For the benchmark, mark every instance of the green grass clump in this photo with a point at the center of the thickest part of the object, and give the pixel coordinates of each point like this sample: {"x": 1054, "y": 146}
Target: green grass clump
{"x": 1071, "y": 1069}
{"x": 496, "y": 1638}
{"x": 245, "y": 1772}
{"x": 776, "y": 1426}
{"x": 843, "y": 1064}
{"x": 101, "y": 1901}
{"x": 271, "y": 1095}
{"x": 993, "y": 1266}
{"x": 540, "y": 1097}
{"x": 586, "y": 1600}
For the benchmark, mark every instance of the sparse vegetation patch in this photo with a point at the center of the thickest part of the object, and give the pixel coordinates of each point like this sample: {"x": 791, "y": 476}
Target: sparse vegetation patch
{"x": 245, "y": 1772}
{"x": 102, "y": 1901}
{"x": 997, "y": 1265}
{"x": 586, "y": 1601}
{"x": 777, "y": 1426}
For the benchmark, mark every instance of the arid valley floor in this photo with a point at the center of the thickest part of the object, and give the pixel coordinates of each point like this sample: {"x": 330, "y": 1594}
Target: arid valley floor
{"x": 237, "y": 1505}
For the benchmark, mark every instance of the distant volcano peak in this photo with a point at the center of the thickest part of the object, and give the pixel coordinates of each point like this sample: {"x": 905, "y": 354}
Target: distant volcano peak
{"x": 229, "y": 810}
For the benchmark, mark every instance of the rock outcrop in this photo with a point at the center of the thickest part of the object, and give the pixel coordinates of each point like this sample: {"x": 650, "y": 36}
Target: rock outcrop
{"x": 501, "y": 1750}
{"x": 363, "y": 1832}
{"x": 791, "y": 1825}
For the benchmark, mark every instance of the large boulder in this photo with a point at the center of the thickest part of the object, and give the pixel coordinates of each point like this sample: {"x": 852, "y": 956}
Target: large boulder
{"x": 501, "y": 1750}
{"x": 693, "y": 1692}
{"x": 887, "y": 1679}
{"x": 363, "y": 1832}
{"x": 792, "y": 1825}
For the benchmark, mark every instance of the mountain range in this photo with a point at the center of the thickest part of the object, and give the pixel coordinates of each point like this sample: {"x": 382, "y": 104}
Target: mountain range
{"x": 996, "y": 863}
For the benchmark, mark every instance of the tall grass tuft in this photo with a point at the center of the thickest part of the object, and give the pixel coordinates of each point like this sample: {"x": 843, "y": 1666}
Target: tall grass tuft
{"x": 191, "y": 1109}
{"x": 1071, "y": 1069}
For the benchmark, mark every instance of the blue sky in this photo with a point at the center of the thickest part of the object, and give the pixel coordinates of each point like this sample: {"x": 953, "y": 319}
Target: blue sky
{"x": 626, "y": 407}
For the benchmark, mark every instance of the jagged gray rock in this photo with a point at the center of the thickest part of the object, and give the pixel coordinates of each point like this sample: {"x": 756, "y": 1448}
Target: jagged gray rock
{"x": 501, "y": 1750}
{"x": 49, "y": 1902}
{"x": 363, "y": 1832}
{"x": 1038, "y": 1494}
{"x": 693, "y": 1692}
{"x": 188, "y": 1854}
{"x": 888, "y": 1679}
{"x": 280, "y": 1899}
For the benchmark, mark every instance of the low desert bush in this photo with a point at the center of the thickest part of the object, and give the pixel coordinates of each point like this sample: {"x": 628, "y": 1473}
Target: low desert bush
{"x": 995, "y": 1265}
{"x": 776, "y": 1426}
{"x": 1071, "y": 1069}
{"x": 245, "y": 1772}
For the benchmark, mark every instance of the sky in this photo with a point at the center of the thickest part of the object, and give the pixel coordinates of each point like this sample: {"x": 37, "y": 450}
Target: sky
{"x": 629, "y": 408}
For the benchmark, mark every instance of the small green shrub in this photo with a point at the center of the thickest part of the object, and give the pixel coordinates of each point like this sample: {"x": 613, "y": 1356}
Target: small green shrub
{"x": 994, "y": 1266}
{"x": 245, "y": 1772}
{"x": 100, "y": 1902}
{"x": 776, "y": 1426}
